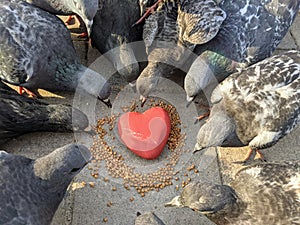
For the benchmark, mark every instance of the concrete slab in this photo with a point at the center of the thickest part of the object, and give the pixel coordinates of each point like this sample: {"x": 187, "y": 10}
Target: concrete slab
{"x": 295, "y": 31}
{"x": 90, "y": 204}
{"x": 287, "y": 43}
{"x": 287, "y": 148}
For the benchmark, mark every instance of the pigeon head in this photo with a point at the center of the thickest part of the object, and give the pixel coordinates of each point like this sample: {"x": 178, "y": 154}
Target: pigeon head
{"x": 201, "y": 25}
{"x": 59, "y": 167}
{"x": 198, "y": 78}
{"x": 93, "y": 83}
{"x": 79, "y": 120}
{"x": 215, "y": 198}
{"x": 86, "y": 9}
{"x": 146, "y": 86}
{"x": 216, "y": 130}
{"x": 205, "y": 197}
{"x": 191, "y": 89}
{"x": 147, "y": 83}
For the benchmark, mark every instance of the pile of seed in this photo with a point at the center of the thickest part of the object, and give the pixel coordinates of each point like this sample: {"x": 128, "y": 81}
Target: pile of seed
{"x": 115, "y": 163}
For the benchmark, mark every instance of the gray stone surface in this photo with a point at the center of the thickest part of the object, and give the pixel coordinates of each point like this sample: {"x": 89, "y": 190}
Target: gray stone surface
{"x": 88, "y": 205}
{"x": 295, "y": 31}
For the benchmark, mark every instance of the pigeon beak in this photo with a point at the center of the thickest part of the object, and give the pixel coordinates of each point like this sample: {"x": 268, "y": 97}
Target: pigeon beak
{"x": 90, "y": 130}
{"x": 189, "y": 100}
{"x": 133, "y": 85}
{"x": 86, "y": 154}
{"x": 197, "y": 148}
{"x": 88, "y": 24}
{"x": 174, "y": 202}
{"x": 141, "y": 9}
{"x": 143, "y": 100}
{"x": 106, "y": 102}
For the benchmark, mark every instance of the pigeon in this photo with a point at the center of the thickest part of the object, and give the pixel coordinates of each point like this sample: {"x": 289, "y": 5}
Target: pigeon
{"x": 112, "y": 35}
{"x": 258, "y": 105}
{"x": 250, "y": 33}
{"x": 37, "y": 52}
{"x": 86, "y": 9}
{"x": 262, "y": 193}
{"x": 171, "y": 34}
{"x": 20, "y": 115}
{"x": 31, "y": 190}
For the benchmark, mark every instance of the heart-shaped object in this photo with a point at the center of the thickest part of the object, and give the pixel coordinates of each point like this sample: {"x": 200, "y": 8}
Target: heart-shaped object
{"x": 145, "y": 134}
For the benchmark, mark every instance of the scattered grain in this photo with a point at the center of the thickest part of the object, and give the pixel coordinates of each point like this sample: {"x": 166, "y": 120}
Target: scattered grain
{"x": 116, "y": 165}
{"x": 109, "y": 204}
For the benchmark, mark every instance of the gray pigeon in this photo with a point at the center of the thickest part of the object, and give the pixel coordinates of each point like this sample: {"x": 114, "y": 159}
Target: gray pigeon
{"x": 20, "y": 115}
{"x": 36, "y": 51}
{"x": 266, "y": 193}
{"x": 170, "y": 35}
{"x": 31, "y": 190}
{"x": 258, "y": 105}
{"x": 86, "y": 9}
{"x": 112, "y": 34}
{"x": 250, "y": 33}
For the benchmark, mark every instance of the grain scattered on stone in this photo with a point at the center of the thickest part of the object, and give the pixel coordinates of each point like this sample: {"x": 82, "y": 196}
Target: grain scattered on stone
{"x": 117, "y": 167}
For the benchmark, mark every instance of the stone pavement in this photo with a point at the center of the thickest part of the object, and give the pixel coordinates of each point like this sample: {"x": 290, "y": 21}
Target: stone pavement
{"x": 91, "y": 205}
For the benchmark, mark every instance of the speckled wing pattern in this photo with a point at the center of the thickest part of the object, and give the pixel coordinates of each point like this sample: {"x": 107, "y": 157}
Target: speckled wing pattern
{"x": 199, "y": 21}
{"x": 85, "y": 8}
{"x": 271, "y": 191}
{"x": 264, "y": 99}
{"x": 253, "y": 28}
{"x": 150, "y": 30}
{"x": 53, "y": 6}
{"x": 30, "y": 41}
{"x": 161, "y": 28}
{"x": 9, "y": 209}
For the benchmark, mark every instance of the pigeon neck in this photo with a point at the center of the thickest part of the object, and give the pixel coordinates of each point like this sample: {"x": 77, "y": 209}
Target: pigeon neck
{"x": 219, "y": 127}
{"x": 225, "y": 123}
{"x": 89, "y": 81}
{"x": 45, "y": 168}
{"x": 220, "y": 65}
{"x": 229, "y": 214}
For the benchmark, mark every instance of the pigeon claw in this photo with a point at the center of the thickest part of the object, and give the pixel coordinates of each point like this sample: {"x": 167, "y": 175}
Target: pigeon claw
{"x": 189, "y": 100}
{"x": 22, "y": 90}
{"x": 248, "y": 155}
{"x": 83, "y": 35}
{"x": 201, "y": 117}
{"x": 143, "y": 100}
{"x": 68, "y": 20}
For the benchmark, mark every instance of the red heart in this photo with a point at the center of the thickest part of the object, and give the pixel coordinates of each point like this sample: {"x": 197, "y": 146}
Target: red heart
{"x": 145, "y": 134}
